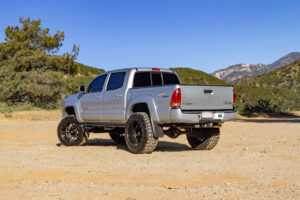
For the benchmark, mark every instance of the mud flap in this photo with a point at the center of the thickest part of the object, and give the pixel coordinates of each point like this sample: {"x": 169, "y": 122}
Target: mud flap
{"x": 157, "y": 130}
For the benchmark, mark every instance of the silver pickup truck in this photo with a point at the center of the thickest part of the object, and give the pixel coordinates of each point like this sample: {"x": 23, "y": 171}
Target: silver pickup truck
{"x": 136, "y": 106}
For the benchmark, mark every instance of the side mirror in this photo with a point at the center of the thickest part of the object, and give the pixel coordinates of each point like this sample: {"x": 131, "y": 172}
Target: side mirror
{"x": 82, "y": 88}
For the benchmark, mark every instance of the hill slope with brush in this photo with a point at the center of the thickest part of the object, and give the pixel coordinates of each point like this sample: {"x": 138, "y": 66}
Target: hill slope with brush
{"x": 30, "y": 73}
{"x": 285, "y": 77}
{"x": 192, "y": 76}
{"x": 250, "y": 98}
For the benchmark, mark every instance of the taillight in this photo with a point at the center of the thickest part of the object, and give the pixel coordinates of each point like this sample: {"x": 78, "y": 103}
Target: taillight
{"x": 234, "y": 98}
{"x": 155, "y": 69}
{"x": 176, "y": 98}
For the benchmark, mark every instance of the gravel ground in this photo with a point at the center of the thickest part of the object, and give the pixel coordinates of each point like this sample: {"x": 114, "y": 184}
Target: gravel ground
{"x": 255, "y": 159}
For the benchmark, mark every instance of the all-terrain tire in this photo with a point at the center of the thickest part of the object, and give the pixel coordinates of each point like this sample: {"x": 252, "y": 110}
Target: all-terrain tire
{"x": 204, "y": 139}
{"x": 117, "y": 135}
{"x": 139, "y": 135}
{"x": 71, "y": 133}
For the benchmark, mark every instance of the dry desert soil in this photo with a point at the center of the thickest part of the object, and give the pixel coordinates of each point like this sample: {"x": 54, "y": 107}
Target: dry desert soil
{"x": 255, "y": 159}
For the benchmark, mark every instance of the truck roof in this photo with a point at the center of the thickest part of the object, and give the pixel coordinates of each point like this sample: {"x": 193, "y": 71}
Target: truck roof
{"x": 140, "y": 69}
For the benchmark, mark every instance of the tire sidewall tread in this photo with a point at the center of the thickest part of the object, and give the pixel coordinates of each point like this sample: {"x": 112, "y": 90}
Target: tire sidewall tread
{"x": 209, "y": 143}
{"x": 149, "y": 142}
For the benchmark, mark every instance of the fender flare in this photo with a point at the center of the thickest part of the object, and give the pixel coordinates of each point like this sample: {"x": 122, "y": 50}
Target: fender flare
{"x": 149, "y": 101}
{"x": 76, "y": 111}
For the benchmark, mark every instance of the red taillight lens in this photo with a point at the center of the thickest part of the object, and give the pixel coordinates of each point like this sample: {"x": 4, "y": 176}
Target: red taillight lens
{"x": 234, "y": 98}
{"x": 176, "y": 98}
{"x": 155, "y": 69}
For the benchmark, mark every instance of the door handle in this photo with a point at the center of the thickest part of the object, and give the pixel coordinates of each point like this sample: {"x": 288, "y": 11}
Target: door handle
{"x": 118, "y": 95}
{"x": 208, "y": 91}
{"x": 98, "y": 97}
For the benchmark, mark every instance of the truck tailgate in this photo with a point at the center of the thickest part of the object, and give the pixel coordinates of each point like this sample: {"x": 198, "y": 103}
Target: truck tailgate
{"x": 195, "y": 97}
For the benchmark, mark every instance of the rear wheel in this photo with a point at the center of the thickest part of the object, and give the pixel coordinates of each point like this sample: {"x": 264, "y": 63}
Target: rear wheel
{"x": 204, "y": 139}
{"x": 71, "y": 133}
{"x": 139, "y": 136}
{"x": 117, "y": 135}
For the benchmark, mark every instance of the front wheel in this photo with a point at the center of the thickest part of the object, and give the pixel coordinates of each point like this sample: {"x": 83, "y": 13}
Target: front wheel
{"x": 204, "y": 138}
{"x": 71, "y": 133}
{"x": 139, "y": 136}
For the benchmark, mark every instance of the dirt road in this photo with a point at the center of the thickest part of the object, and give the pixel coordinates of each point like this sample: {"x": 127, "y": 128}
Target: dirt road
{"x": 255, "y": 159}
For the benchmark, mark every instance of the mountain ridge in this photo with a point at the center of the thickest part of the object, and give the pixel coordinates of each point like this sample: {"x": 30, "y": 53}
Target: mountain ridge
{"x": 238, "y": 71}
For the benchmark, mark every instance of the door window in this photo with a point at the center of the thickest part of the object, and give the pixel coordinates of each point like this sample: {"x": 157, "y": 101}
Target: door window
{"x": 116, "y": 81}
{"x": 97, "y": 84}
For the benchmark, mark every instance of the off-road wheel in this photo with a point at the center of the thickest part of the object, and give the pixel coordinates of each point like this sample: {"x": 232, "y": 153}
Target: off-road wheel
{"x": 139, "y": 136}
{"x": 204, "y": 138}
{"x": 117, "y": 135}
{"x": 71, "y": 133}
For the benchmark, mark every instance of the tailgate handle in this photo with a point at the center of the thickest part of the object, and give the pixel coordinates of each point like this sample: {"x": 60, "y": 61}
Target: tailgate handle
{"x": 208, "y": 91}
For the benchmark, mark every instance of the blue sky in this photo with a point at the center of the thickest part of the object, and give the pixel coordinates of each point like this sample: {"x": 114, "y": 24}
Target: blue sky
{"x": 205, "y": 35}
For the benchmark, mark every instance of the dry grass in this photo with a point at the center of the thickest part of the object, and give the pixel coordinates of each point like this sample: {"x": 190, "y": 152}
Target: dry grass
{"x": 37, "y": 115}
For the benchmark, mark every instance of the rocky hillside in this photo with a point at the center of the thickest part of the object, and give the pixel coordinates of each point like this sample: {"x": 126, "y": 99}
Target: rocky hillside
{"x": 238, "y": 71}
{"x": 286, "y": 60}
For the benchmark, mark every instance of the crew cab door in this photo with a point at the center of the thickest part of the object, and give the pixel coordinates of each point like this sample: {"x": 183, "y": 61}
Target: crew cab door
{"x": 113, "y": 100}
{"x": 90, "y": 101}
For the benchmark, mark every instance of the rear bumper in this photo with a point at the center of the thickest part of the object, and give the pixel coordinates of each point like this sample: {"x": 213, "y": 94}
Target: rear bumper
{"x": 195, "y": 117}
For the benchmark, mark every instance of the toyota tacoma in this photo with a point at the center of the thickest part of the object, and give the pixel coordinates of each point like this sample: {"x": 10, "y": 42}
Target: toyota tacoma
{"x": 137, "y": 106}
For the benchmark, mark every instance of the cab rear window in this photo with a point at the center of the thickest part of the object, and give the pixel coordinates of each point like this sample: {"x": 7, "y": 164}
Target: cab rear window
{"x": 147, "y": 79}
{"x": 156, "y": 79}
{"x": 170, "y": 79}
{"x": 142, "y": 79}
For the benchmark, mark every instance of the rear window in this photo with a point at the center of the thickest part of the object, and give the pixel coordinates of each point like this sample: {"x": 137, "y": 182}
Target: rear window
{"x": 147, "y": 79}
{"x": 156, "y": 79}
{"x": 116, "y": 81}
{"x": 170, "y": 79}
{"x": 142, "y": 79}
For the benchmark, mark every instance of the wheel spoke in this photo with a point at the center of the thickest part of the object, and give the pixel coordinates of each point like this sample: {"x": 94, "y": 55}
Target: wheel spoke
{"x": 72, "y": 132}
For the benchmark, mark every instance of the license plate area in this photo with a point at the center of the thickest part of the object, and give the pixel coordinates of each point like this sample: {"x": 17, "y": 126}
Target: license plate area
{"x": 207, "y": 115}
{"x": 211, "y": 115}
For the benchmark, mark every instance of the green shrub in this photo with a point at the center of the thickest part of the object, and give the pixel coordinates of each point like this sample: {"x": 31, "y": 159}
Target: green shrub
{"x": 262, "y": 106}
{"x": 33, "y": 77}
{"x": 265, "y": 100}
{"x": 30, "y": 75}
